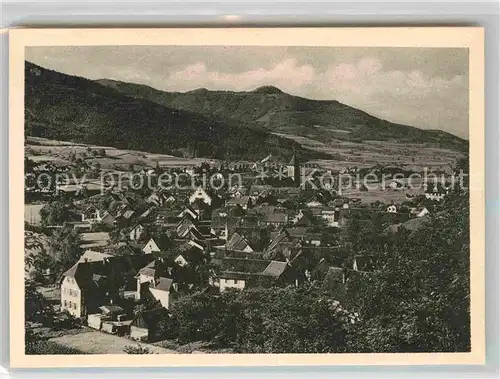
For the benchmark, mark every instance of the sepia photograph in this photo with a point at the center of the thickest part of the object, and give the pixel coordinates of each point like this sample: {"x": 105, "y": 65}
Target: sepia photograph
{"x": 249, "y": 199}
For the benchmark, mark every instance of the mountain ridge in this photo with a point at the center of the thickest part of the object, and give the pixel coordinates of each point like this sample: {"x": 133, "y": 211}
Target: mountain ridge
{"x": 269, "y": 108}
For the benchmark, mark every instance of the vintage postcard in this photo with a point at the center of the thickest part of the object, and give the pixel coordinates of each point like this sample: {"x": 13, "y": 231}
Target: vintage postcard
{"x": 286, "y": 196}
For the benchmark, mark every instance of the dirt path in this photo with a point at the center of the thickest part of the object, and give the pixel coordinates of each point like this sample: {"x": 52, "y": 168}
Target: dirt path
{"x": 95, "y": 342}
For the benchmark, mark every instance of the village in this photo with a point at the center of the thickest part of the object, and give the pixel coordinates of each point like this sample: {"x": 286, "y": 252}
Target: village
{"x": 138, "y": 249}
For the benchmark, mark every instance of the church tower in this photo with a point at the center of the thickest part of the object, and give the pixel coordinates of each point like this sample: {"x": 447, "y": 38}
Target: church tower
{"x": 293, "y": 170}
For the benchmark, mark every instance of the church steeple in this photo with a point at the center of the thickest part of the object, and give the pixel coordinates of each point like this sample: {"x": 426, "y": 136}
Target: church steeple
{"x": 293, "y": 170}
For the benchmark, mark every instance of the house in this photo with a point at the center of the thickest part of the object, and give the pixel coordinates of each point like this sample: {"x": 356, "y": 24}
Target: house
{"x": 435, "y": 192}
{"x": 184, "y": 227}
{"x": 93, "y": 256}
{"x": 200, "y": 195}
{"x": 364, "y": 263}
{"x": 108, "y": 219}
{"x": 314, "y": 203}
{"x": 244, "y": 202}
{"x": 423, "y": 212}
{"x": 237, "y": 191}
{"x": 160, "y": 288}
{"x": 392, "y": 209}
{"x": 90, "y": 284}
{"x": 419, "y": 212}
{"x": 276, "y": 219}
{"x": 144, "y": 324}
{"x": 302, "y": 234}
{"x": 331, "y": 216}
{"x": 239, "y": 243}
{"x": 191, "y": 212}
{"x": 305, "y": 218}
{"x": 190, "y": 252}
{"x": 91, "y": 214}
{"x": 149, "y": 273}
{"x": 181, "y": 261}
{"x": 82, "y": 288}
{"x": 147, "y": 213}
{"x": 151, "y": 247}
{"x": 136, "y": 232}
{"x": 94, "y": 239}
{"x": 238, "y": 273}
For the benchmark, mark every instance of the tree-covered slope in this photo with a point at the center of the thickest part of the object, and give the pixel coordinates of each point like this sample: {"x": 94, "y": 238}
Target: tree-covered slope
{"x": 64, "y": 107}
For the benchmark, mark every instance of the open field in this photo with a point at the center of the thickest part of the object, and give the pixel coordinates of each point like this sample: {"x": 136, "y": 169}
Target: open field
{"x": 95, "y": 342}
{"x": 371, "y": 153}
{"x": 45, "y": 150}
{"x": 345, "y": 154}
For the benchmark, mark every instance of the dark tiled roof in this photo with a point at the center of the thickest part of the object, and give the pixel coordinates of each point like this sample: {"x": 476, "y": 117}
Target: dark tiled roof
{"x": 275, "y": 269}
{"x": 276, "y": 217}
{"x": 249, "y": 266}
{"x": 163, "y": 284}
{"x": 243, "y": 200}
{"x": 237, "y": 242}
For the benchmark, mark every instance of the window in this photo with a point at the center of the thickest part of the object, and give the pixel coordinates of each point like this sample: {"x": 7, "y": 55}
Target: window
{"x": 65, "y": 303}
{"x": 235, "y": 281}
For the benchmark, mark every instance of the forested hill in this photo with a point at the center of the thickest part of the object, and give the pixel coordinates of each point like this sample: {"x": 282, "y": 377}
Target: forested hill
{"x": 269, "y": 108}
{"x": 70, "y": 108}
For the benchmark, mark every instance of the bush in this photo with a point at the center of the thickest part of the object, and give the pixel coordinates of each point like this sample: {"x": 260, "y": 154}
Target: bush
{"x": 49, "y": 348}
{"x": 137, "y": 350}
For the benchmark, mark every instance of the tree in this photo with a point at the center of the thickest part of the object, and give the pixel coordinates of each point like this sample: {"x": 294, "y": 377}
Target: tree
{"x": 65, "y": 247}
{"x": 36, "y": 307}
{"x": 270, "y": 320}
{"x": 54, "y": 213}
{"x": 419, "y": 302}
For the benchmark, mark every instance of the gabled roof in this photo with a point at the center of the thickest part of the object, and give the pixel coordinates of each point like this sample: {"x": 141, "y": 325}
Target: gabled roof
{"x": 94, "y": 236}
{"x": 128, "y": 214}
{"x": 237, "y": 242}
{"x": 244, "y": 265}
{"x": 282, "y": 237}
{"x": 150, "y": 318}
{"x": 293, "y": 161}
{"x": 93, "y": 256}
{"x": 152, "y": 268}
{"x": 243, "y": 200}
{"x": 163, "y": 284}
{"x": 184, "y": 226}
{"x": 111, "y": 309}
{"x": 275, "y": 269}
{"x": 276, "y": 217}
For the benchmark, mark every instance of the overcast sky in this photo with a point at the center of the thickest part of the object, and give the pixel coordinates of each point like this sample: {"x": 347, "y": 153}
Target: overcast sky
{"x": 423, "y": 87}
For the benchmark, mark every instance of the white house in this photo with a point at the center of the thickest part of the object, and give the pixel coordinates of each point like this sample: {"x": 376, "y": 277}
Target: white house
{"x": 91, "y": 214}
{"x": 423, "y": 212}
{"x": 419, "y": 212}
{"x": 331, "y": 216}
{"x": 181, "y": 261}
{"x": 314, "y": 204}
{"x": 227, "y": 283}
{"x": 200, "y": 194}
{"x": 71, "y": 296}
{"x": 392, "y": 209}
{"x": 151, "y": 247}
{"x": 161, "y": 289}
{"x": 136, "y": 232}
